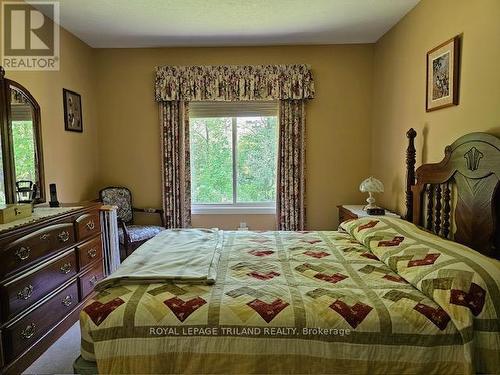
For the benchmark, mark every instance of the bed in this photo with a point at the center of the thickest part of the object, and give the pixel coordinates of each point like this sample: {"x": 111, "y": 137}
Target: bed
{"x": 380, "y": 295}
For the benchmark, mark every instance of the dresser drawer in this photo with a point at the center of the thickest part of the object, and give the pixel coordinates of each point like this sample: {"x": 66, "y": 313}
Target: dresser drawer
{"x": 26, "y": 331}
{"x": 90, "y": 278}
{"x": 89, "y": 251}
{"x": 23, "y": 292}
{"x": 88, "y": 225}
{"x": 26, "y": 250}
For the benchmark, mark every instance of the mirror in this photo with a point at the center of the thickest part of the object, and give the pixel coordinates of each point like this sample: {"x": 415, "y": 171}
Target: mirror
{"x": 21, "y": 161}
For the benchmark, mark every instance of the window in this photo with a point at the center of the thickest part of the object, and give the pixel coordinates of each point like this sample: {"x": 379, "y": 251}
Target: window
{"x": 233, "y": 157}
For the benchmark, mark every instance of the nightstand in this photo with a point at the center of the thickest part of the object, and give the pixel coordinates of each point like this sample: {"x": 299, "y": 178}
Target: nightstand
{"x": 347, "y": 212}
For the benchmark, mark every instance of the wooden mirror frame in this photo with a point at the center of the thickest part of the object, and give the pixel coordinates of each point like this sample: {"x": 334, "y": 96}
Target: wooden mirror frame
{"x": 8, "y": 147}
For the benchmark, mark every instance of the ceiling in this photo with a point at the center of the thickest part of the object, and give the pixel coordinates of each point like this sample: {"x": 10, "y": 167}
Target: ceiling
{"x": 166, "y": 23}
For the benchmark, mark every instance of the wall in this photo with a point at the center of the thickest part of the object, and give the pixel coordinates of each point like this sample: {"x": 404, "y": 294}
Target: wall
{"x": 71, "y": 159}
{"x": 399, "y": 86}
{"x": 338, "y": 122}
{"x": 367, "y": 97}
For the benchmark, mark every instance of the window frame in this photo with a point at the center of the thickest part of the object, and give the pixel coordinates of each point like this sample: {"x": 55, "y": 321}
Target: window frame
{"x": 235, "y": 208}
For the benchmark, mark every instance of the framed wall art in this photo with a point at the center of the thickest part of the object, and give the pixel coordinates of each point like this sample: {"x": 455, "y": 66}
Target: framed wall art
{"x": 442, "y": 75}
{"x": 72, "y": 111}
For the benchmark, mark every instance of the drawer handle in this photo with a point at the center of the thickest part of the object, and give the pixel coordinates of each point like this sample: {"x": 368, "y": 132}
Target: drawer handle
{"x": 23, "y": 253}
{"x": 93, "y": 280}
{"x": 29, "y": 331}
{"x": 67, "y": 301}
{"x": 92, "y": 253}
{"x": 26, "y": 292}
{"x": 66, "y": 268}
{"x": 63, "y": 236}
{"x": 44, "y": 236}
{"x": 90, "y": 225}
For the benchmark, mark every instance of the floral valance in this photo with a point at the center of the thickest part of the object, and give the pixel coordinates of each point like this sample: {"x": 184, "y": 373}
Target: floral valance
{"x": 234, "y": 82}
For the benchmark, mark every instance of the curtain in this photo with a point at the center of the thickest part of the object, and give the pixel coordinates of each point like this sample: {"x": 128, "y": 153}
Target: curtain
{"x": 290, "y": 189}
{"x": 175, "y": 86}
{"x": 233, "y": 82}
{"x": 176, "y": 179}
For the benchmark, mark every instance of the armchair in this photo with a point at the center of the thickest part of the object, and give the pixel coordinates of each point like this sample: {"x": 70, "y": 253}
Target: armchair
{"x": 131, "y": 236}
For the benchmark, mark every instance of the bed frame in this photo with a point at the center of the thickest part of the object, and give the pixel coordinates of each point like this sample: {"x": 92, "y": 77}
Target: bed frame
{"x": 458, "y": 198}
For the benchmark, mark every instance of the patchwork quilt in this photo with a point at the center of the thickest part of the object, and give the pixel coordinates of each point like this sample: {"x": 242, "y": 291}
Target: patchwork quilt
{"x": 380, "y": 297}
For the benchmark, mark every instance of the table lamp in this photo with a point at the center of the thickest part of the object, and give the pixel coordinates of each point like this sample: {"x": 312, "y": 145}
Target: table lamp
{"x": 371, "y": 185}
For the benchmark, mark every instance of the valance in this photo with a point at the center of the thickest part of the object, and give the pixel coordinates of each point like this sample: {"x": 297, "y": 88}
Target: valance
{"x": 234, "y": 82}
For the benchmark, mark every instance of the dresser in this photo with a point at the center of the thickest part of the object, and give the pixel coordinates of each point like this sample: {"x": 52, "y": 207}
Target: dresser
{"x": 48, "y": 269}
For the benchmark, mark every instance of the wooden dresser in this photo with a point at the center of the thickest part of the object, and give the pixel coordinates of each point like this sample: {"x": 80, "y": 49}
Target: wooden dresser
{"x": 47, "y": 271}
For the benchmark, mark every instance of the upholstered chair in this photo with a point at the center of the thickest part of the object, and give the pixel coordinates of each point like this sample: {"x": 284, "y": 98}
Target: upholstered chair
{"x": 131, "y": 236}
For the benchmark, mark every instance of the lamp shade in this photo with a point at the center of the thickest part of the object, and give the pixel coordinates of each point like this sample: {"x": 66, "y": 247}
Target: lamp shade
{"x": 371, "y": 185}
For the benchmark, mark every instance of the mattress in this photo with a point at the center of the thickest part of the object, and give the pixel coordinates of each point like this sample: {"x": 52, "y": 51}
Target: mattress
{"x": 379, "y": 297}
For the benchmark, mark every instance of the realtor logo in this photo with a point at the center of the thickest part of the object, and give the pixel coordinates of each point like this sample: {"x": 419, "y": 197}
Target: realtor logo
{"x": 30, "y": 36}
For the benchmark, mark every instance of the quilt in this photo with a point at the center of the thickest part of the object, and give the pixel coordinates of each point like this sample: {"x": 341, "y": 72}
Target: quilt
{"x": 379, "y": 297}
{"x": 172, "y": 256}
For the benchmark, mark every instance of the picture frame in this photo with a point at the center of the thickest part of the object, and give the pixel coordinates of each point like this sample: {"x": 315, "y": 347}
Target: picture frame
{"x": 73, "y": 120}
{"x": 442, "y": 79}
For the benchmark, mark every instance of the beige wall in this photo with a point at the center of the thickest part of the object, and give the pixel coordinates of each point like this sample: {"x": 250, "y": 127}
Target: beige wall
{"x": 254, "y": 222}
{"x": 367, "y": 97}
{"x": 338, "y": 122}
{"x": 399, "y": 86}
{"x": 71, "y": 159}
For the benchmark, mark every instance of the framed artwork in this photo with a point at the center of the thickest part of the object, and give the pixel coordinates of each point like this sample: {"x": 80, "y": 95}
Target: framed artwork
{"x": 72, "y": 111}
{"x": 442, "y": 75}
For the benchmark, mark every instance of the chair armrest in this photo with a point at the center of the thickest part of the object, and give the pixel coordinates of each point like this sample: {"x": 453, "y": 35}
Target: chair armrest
{"x": 126, "y": 236}
{"x": 158, "y": 211}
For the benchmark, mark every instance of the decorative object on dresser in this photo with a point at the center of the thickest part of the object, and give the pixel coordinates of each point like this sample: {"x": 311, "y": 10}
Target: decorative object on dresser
{"x": 73, "y": 120}
{"x": 26, "y": 191}
{"x": 371, "y": 185}
{"x": 459, "y": 197}
{"x": 351, "y": 212}
{"x": 442, "y": 75}
{"x": 49, "y": 268}
{"x": 12, "y": 212}
{"x": 20, "y": 123}
{"x": 131, "y": 236}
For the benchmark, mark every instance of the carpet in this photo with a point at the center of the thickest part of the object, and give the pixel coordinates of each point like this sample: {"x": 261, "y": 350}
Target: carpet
{"x": 59, "y": 358}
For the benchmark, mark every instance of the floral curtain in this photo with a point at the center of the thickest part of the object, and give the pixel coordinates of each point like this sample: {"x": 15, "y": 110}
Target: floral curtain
{"x": 176, "y": 175}
{"x": 291, "y": 166}
{"x": 175, "y": 86}
{"x": 234, "y": 82}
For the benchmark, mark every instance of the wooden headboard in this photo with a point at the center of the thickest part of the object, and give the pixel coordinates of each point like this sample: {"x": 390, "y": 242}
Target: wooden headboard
{"x": 458, "y": 198}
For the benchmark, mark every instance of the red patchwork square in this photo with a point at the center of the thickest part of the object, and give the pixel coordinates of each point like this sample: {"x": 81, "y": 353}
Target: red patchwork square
{"x": 182, "y": 309}
{"x": 353, "y": 315}
{"x": 335, "y": 278}
{"x": 316, "y": 254}
{"x": 263, "y": 276}
{"x": 98, "y": 311}
{"x": 268, "y": 311}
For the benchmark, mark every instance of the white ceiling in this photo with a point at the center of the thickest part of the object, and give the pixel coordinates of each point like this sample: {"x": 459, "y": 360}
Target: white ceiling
{"x": 163, "y": 23}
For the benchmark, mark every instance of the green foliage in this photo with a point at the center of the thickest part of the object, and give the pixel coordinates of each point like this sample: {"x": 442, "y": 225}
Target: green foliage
{"x": 24, "y": 150}
{"x": 256, "y": 159}
{"x": 212, "y": 159}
